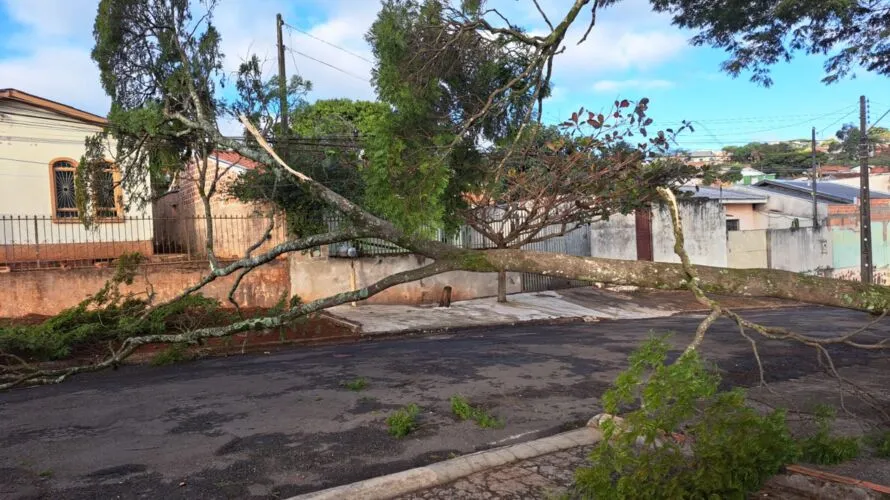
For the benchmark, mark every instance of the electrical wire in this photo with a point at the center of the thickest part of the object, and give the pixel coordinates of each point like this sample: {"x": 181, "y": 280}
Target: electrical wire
{"x": 353, "y": 54}
{"x": 341, "y": 70}
{"x": 878, "y": 121}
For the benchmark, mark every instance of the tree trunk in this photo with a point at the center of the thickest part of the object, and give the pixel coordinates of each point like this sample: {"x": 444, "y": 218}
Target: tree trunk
{"x": 669, "y": 276}
{"x": 502, "y": 286}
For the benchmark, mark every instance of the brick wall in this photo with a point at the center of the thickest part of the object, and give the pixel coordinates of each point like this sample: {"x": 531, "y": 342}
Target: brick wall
{"x": 50, "y": 291}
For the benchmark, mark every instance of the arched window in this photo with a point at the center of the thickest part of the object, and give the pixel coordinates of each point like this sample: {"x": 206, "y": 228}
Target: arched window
{"x": 64, "y": 203}
{"x": 105, "y": 195}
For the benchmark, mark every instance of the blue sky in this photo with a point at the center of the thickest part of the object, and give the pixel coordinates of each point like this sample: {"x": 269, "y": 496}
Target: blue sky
{"x": 631, "y": 53}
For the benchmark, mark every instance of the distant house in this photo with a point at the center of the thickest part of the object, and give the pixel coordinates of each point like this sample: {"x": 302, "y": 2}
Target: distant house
{"x": 791, "y": 202}
{"x": 41, "y": 143}
{"x": 703, "y": 158}
{"x": 753, "y": 176}
{"x": 180, "y": 224}
{"x": 740, "y": 206}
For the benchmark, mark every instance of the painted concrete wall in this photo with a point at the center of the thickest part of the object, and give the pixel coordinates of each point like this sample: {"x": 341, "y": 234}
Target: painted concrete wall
{"x": 843, "y": 223}
{"x": 27, "y": 147}
{"x": 748, "y": 218}
{"x": 805, "y": 250}
{"x": 704, "y": 232}
{"x": 747, "y": 249}
{"x": 318, "y": 277}
{"x": 615, "y": 238}
{"x": 50, "y": 291}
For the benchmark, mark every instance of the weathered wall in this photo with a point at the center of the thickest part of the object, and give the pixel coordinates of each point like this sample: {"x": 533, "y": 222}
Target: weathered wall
{"x": 804, "y": 250}
{"x": 704, "y": 232}
{"x": 843, "y": 224}
{"x": 315, "y": 278}
{"x": 50, "y": 291}
{"x": 615, "y": 238}
{"x": 746, "y": 249}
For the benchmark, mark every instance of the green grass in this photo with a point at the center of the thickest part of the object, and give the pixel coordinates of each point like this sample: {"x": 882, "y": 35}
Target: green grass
{"x": 46, "y": 474}
{"x": 403, "y": 422}
{"x": 175, "y": 353}
{"x": 822, "y": 448}
{"x": 463, "y": 410}
{"x": 356, "y": 384}
{"x": 881, "y": 444}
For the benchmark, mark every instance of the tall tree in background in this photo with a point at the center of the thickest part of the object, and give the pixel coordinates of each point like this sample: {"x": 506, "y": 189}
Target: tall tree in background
{"x": 782, "y": 158}
{"x": 847, "y": 150}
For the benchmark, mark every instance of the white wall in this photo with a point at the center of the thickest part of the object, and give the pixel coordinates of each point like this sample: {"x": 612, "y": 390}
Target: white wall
{"x": 704, "y": 232}
{"x": 27, "y": 146}
{"x": 615, "y": 238}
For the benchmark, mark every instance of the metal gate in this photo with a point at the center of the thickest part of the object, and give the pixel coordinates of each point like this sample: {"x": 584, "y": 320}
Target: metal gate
{"x": 576, "y": 242}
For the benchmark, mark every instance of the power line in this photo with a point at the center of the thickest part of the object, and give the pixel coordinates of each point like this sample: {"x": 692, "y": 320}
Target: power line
{"x": 353, "y": 54}
{"x": 25, "y": 161}
{"x": 328, "y": 65}
{"x": 878, "y": 121}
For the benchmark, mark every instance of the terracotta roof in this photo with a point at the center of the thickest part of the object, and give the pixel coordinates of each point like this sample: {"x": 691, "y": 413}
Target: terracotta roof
{"x": 56, "y": 107}
{"x": 235, "y": 159}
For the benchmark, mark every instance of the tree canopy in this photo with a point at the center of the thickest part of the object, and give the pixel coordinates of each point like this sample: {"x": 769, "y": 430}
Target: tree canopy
{"x": 758, "y": 34}
{"x": 783, "y": 159}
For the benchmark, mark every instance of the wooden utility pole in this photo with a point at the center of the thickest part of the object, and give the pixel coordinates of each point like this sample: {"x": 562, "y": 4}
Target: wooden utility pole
{"x": 814, "y": 174}
{"x": 864, "y": 198}
{"x": 282, "y": 88}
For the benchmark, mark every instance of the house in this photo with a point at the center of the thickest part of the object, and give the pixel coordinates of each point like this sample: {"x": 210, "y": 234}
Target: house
{"x": 753, "y": 176}
{"x": 706, "y": 157}
{"x": 41, "y": 143}
{"x": 740, "y": 206}
{"x": 180, "y": 223}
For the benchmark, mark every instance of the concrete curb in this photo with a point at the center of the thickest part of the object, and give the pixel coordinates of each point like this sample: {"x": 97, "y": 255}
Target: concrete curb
{"x": 420, "y": 478}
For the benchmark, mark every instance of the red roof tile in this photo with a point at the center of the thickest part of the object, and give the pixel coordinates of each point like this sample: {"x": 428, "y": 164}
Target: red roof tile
{"x": 235, "y": 159}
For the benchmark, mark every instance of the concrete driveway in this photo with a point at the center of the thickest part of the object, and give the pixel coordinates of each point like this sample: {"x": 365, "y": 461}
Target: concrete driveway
{"x": 274, "y": 425}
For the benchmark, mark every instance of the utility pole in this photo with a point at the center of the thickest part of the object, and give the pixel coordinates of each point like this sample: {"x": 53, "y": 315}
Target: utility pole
{"x": 864, "y": 198}
{"x": 282, "y": 88}
{"x": 815, "y": 174}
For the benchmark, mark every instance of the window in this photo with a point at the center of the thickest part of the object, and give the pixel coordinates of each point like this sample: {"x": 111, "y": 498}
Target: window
{"x": 106, "y": 201}
{"x": 63, "y": 189}
{"x": 732, "y": 224}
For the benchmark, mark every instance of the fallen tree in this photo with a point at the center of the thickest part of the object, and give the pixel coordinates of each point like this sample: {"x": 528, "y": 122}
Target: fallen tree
{"x": 176, "y": 111}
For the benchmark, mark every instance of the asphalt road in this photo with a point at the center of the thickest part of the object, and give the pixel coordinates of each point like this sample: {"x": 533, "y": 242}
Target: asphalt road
{"x": 275, "y": 425}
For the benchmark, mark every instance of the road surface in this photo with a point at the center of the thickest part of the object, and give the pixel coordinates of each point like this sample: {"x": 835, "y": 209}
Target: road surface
{"x": 271, "y": 426}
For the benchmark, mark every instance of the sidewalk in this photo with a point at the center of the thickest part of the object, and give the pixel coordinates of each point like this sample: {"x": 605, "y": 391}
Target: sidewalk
{"x": 580, "y": 304}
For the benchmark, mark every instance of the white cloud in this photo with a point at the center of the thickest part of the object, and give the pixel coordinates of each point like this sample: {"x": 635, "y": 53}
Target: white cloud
{"x": 58, "y": 67}
{"x": 632, "y": 84}
{"x": 627, "y": 38}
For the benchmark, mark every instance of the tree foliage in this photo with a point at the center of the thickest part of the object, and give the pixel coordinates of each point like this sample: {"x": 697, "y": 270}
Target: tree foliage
{"x": 783, "y": 159}
{"x": 762, "y": 33}
{"x": 161, "y": 68}
{"x": 726, "y": 450}
{"x": 847, "y": 149}
{"x": 435, "y": 74}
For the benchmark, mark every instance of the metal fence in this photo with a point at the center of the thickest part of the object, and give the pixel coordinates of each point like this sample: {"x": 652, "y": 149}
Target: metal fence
{"x": 464, "y": 237}
{"x": 38, "y": 241}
